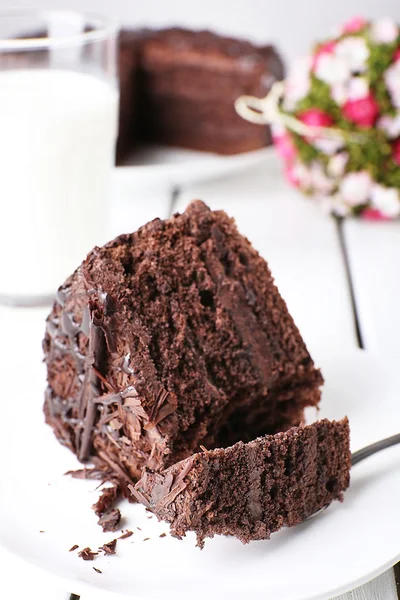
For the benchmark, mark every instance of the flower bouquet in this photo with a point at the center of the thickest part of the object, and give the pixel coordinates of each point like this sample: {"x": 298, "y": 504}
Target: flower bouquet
{"x": 336, "y": 120}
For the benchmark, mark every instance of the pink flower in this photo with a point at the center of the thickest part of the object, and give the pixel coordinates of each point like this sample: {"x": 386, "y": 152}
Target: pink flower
{"x": 314, "y": 117}
{"x": 396, "y": 55}
{"x": 291, "y": 176}
{"x": 285, "y": 147}
{"x": 363, "y": 111}
{"x": 396, "y": 152}
{"x": 354, "y": 25}
{"x": 373, "y": 214}
{"x": 327, "y": 48}
{"x": 298, "y": 175}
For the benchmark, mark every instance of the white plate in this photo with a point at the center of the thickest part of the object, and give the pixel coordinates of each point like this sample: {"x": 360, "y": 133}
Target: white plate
{"x": 177, "y": 166}
{"x": 342, "y": 548}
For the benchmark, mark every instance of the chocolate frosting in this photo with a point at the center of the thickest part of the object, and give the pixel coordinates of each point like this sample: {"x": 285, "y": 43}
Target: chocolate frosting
{"x": 102, "y": 410}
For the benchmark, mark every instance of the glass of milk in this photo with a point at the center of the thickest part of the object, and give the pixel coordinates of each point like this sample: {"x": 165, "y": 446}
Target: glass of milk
{"x": 58, "y": 128}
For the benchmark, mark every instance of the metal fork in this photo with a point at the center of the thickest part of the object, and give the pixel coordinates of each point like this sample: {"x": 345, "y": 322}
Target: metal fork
{"x": 363, "y": 453}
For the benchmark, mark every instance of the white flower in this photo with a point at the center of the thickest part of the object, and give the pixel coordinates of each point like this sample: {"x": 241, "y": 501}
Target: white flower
{"x": 384, "y": 31}
{"x": 392, "y": 80}
{"x": 339, "y": 93}
{"x": 327, "y": 145}
{"x": 332, "y": 69}
{"x": 349, "y": 55}
{"x": 298, "y": 83}
{"x": 354, "y": 51}
{"x": 354, "y": 88}
{"x": 337, "y": 164}
{"x": 320, "y": 183}
{"x": 386, "y": 200}
{"x": 390, "y": 125}
{"x": 355, "y": 188}
{"x": 357, "y": 88}
{"x": 302, "y": 174}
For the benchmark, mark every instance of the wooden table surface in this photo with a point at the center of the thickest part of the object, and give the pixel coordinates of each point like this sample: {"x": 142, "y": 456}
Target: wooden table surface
{"x": 340, "y": 280}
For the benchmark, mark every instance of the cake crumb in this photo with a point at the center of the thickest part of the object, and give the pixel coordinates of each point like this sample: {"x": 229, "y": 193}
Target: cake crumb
{"x": 163, "y": 535}
{"x": 127, "y": 534}
{"x": 87, "y": 554}
{"x": 110, "y": 520}
{"x": 106, "y": 500}
{"x": 146, "y": 539}
{"x": 109, "y": 547}
{"x": 74, "y": 547}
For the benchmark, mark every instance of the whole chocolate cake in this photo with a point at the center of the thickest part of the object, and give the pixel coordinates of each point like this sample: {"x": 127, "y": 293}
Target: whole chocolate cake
{"x": 251, "y": 490}
{"x": 178, "y": 87}
{"x": 169, "y": 338}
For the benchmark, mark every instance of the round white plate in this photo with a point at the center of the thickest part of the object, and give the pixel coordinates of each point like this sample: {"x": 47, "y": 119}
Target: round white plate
{"x": 177, "y": 166}
{"x": 338, "y": 550}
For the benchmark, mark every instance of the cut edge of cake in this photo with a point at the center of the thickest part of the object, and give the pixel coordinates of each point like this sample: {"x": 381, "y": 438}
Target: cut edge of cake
{"x": 252, "y": 490}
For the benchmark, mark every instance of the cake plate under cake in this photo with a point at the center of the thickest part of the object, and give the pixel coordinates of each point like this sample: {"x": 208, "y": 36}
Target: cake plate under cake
{"x": 178, "y": 166}
{"x": 44, "y": 513}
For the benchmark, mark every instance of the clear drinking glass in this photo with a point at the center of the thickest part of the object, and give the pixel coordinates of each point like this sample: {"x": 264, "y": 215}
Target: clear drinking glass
{"x": 58, "y": 128}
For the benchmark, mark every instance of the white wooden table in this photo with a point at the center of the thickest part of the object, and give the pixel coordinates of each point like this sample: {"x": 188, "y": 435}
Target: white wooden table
{"x": 340, "y": 282}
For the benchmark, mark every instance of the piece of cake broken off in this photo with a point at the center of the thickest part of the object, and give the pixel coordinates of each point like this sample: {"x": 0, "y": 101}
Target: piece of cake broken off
{"x": 252, "y": 490}
{"x": 169, "y": 338}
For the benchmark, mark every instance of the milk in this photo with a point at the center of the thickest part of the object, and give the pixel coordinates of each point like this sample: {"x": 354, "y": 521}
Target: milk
{"x": 57, "y": 139}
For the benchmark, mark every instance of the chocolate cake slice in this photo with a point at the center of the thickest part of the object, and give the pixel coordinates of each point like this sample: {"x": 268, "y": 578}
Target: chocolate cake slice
{"x": 252, "y": 490}
{"x": 172, "y": 337}
{"x": 178, "y": 87}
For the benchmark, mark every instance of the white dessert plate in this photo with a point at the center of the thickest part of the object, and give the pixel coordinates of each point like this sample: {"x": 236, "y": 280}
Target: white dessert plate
{"x": 177, "y": 166}
{"x": 44, "y": 512}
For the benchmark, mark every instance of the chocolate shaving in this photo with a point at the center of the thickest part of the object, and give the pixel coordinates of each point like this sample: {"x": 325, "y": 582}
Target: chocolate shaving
{"x": 91, "y": 384}
{"x": 87, "y": 554}
{"x": 110, "y": 520}
{"x": 146, "y": 539}
{"x": 164, "y": 405}
{"x": 162, "y": 535}
{"x": 139, "y": 496}
{"x": 127, "y": 534}
{"x": 109, "y": 547}
{"x": 74, "y": 547}
{"x": 170, "y": 497}
{"x": 97, "y": 570}
{"x": 118, "y": 470}
{"x": 106, "y": 500}
{"x": 86, "y": 473}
